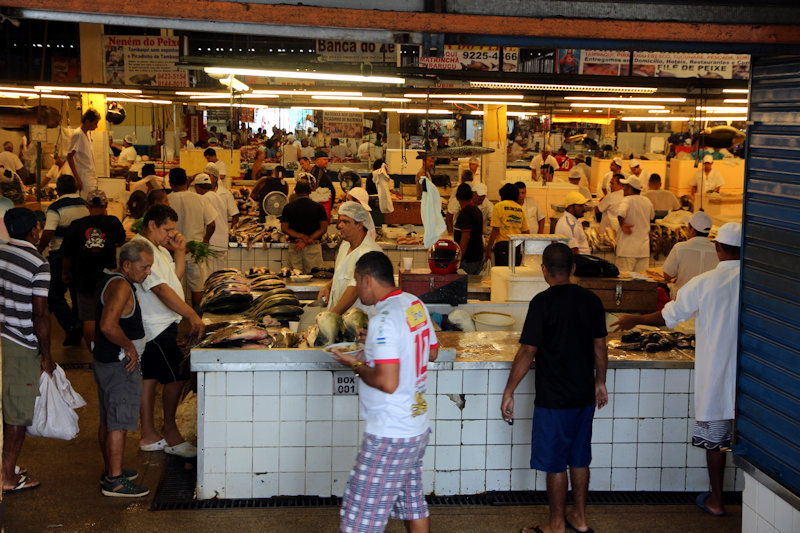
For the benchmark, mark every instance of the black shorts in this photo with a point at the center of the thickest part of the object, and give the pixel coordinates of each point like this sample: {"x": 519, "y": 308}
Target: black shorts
{"x": 163, "y": 359}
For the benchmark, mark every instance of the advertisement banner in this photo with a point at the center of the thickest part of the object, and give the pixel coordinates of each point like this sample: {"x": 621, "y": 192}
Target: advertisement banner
{"x": 464, "y": 57}
{"x": 593, "y": 62}
{"x": 148, "y": 60}
{"x": 356, "y": 52}
{"x": 510, "y": 59}
{"x": 65, "y": 69}
{"x": 674, "y": 65}
{"x": 342, "y": 124}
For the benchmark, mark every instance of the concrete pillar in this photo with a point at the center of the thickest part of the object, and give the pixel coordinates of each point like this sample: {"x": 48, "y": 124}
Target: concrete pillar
{"x": 394, "y": 139}
{"x": 91, "y": 44}
{"x": 495, "y": 134}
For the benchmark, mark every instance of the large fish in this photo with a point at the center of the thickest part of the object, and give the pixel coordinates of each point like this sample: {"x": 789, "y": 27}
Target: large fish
{"x": 454, "y": 152}
{"x": 721, "y": 137}
{"x": 20, "y": 117}
{"x": 354, "y": 320}
{"x": 328, "y": 329}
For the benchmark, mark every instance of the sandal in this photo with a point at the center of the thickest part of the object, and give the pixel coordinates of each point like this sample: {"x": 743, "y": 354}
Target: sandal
{"x": 24, "y": 483}
{"x": 20, "y": 471}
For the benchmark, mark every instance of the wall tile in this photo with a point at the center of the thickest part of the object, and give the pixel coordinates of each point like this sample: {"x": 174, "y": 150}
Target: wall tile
{"x": 523, "y": 479}
{"x": 677, "y": 380}
{"x": 319, "y": 383}
{"x": 239, "y": 408}
{"x": 292, "y": 483}
{"x": 764, "y": 526}
{"x": 625, "y": 430}
{"x": 319, "y": 433}
{"x": 674, "y": 429}
{"x": 427, "y": 481}
{"x": 521, "y": 431}
{"x": 602, "y": 430}
{"x": 520, "y": 456}
{"x": 293, "y": 434}
{"x": 498, "y": 380}
{"x": 473, "y": 481}
{"x": 293, "y": 383}
{"x": 498, "y": 456}
{"x": 765, "y": 503}
{"x": 446, "y": 408}
{"x": 319, "y": 408}
{"x": 475, "y": 382}
{"x": 215, "y": 383}
{"x": 449, "y": 382}
{"x": 473, "y": 432}
{"x": 601, "y": 455}
{"x": 783, "y": 515}
{"x": 240, "y": 384}
{"x": 696, "y": 457}
{"x": 498, "y": 480}
{"x": 266, "y": 433}
{"x": 473, "y": 458}
{"x": 498, "y": 432}
{"x": 523, "y": 407}
{"x": 626, "y": 380}
{"x": 216, "y": 409}
{"x": 265, "y": 485}
{"x": 448, "y": 432}
{"x": 651, "y": 405}
{"x": 339, "y": 482}
{"x": 600, "y": 479}
{"x": 650, "y": 430}
{"x": 448, "y": 458}
{"x": 541, "y": 481}
{"x": 447, "y": 483}
{"x": 430, "y": 383}
{"x": 623, "y": 455}
{"x": 345, "y": 456}
{"x": 673, "y": 454}
{"x": 239, "y": 434}
{"x": 238, "y": 485}
{"x": 626, "y": 405}
{"x": 749, "y": 519}
{"x": 214, "y": 461}
{"x": 319, "y": 460}
{"x": 673, "y": 479}
{"x": 266, "y": 383}
{"x": 215, "y": 434}
{"x": 697, "y": 479}
{"x": 729, "y": 478}
{"x": 652, "y": 380}
{"x": 345, "y": 407}
{"x": 526, "y": 386}
{"x": 676, "y": 405}
{"x": 608, "y": 410}
{"x": 648, "y": 455}
{"x": 648, "y": 479}
{"x": 266, "y": 407}
{"x": 475, "y": 408}
{"x": 266, "y": 461}
{"x": 345, "y": 434}
{"x": 318, "y": 484}
{"x": 292, "y": 459}
{"x": 623, "y": 479}
{"x": 239, "y": 460}
{"x": 749, "y": 494}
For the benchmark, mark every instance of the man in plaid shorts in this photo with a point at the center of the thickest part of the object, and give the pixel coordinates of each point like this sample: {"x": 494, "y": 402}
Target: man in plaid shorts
{"x": 387, "y": 479}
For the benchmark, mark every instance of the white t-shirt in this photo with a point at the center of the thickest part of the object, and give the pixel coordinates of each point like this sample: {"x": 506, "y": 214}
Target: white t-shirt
{"x": 663, "y": 200}
{"x": 363, "y": 149}
{"x": 400, "y": 332}
{"x": 345, "y": 267}
{"x": 10, "y": 160}
{"x": 194, "y": 214}
{"x": 638, "y": 211}
{"x": 81, "y": 144}
{"x": 127, "y": 156}
{"x": 288, "y": 153}
{"x": 714, "y": 297}
{"x": 155, "y": 315}
{"x": 609, "y": 207}
{"x": 231, "y": 207}
{"x": 690, "y": 258}
{"x": 571, "y": 227}
{"x": 537, "y": 162}
{"x": 307, "y": 151}
{"x": 644, "y": 178}
{"x": 534, "y": 212}
{"x": 711, "y": 181}
{"x": 219, "y": 239}
{"x": 486, "y": 210}
{"x": 339, "y": 151}
{"x": 55, "y": 172}
{"x": 603, "y": 184}
{"x": 222, "y": 168}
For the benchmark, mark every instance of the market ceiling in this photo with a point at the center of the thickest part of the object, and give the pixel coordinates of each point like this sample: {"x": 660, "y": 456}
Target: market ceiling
{"x": 737, "y": 26}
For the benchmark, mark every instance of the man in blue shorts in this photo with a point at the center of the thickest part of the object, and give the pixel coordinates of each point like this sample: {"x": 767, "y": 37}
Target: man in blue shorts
{"x": 565, "y": 332}
{"x": 400, "y": 340}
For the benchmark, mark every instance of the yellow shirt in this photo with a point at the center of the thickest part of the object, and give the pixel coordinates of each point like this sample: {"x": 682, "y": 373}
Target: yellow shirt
{"x": 510, "y": 218}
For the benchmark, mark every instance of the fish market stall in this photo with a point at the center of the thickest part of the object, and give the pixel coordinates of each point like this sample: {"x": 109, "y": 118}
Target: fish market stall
{"x": 280, "y": 420}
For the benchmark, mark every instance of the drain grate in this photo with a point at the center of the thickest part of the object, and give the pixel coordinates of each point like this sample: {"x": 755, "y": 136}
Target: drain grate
{"x": 176, "y": 492}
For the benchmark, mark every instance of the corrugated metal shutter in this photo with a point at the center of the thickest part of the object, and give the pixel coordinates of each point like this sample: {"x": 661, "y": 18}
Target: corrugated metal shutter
{"x": 768, "y": 402}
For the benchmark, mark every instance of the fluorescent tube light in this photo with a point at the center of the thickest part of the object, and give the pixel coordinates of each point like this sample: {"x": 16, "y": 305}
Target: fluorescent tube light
{"x": 86, "y": 89}
{"x": 303, "y": 75}
{"x": 655, "y": 119}
{"x": 559, "y": 87}
{"x": 736, "y": 91}
{"x": 626, "y": 98}
{"x": 141, "y": 100}
{"x": 418, "y": 111}
{"x": 617, "y": 106}
{"x": 452, "y": 96}
{"x": 360, "y": 98}
{"x": 491, "y": 102}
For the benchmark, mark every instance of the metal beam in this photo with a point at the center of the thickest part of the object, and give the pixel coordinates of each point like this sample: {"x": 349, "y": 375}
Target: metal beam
{"x": 214, "y": 12}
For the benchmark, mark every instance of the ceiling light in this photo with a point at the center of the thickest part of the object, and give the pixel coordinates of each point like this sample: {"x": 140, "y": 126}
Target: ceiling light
{"x": 308, "y": 93}
{"x": 352, "y": 109}
{"x": 228, "y": 95}
{"x": 196, "y": 93}
{"x": 418, "y": 111}
{"x": 557, "y": 87}
{"x": 626, "y": 98}
{"x": 303, "y": 75}
{"x": 655, "y": 119}
{"x": 22, "y": 90}
{"x": 141, "y": 100}
{"x": 735, "y": 101}
{"x": 721, "y": 109}
{"x": 451, "y": 96}
{"x": 361, "y": 98}
{"x": 722, "y": 118}
{"x": 510, "y": 113}
{"x": 617, "y": 106}
{"x": 6, "y": 94}
{"x": 491, "y": 102}
{"x": 659, "y": 111}
{"x": 220, "y": 104}
{"x": 234, "y": 84}
{"x": 86, "y": 89}
{"x": 736, "y": 91}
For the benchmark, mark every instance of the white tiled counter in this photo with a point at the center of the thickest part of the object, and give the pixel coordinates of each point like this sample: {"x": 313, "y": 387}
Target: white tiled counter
{"x": 269, "y": 423}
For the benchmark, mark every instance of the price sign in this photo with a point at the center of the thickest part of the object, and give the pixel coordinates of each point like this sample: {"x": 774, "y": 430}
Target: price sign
{"x": 38, "y": 133}
{"x": 345, "y": 383}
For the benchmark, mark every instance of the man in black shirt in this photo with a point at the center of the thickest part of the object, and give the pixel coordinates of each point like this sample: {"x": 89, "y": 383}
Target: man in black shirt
{"x": 565, "y": 331}
{"x": 320, "y": 173}
{"x": 468, "y": 231}
{"x": 304, "y": 221}
{"x": 90, "y": 246}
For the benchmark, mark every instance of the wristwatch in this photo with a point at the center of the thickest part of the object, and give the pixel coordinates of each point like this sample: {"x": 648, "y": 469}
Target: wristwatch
{"x": 355, "y": 367}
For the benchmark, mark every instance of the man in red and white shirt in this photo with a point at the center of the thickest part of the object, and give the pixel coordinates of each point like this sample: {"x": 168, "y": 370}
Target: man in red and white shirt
{"x": 387, "y": 479}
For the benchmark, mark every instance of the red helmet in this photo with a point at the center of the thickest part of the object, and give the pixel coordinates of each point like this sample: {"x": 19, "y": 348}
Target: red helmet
{"x": 444, "y": 257}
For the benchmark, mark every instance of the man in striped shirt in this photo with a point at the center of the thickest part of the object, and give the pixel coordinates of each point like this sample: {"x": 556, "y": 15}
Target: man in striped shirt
{"x": 25, "y": 335}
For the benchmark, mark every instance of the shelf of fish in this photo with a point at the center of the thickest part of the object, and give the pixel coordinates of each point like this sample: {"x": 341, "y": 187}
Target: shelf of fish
{"x": 250, "y": 231}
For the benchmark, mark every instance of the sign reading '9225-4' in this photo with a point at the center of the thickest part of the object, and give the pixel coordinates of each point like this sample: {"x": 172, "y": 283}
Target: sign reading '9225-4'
{"x": 345, "y": 383}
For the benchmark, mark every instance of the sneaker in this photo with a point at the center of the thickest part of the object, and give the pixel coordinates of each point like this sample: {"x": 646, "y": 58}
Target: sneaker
{"x": 120, "y": 487}
{"x": 130, "y": 475}
{"x": 184, "y": 449}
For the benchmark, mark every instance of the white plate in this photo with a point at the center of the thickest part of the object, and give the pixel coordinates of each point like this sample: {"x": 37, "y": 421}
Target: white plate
{"x": 342, "y": 346}
{"x": 302, "y": 278}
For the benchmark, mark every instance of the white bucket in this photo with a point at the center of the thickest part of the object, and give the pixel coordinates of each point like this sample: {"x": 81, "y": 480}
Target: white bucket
{"x": 491, "y": 321}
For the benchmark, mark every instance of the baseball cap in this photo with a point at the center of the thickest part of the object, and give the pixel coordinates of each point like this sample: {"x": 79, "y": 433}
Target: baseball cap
{"x": 580, "y": 157}
{"x": 708, "y": 158}
{"x": 480, "y": 189}
{"x": 701, "y": 222}
{"x": 730, "y": 234}
{"x": 617, "y": 161}
{"x": 20, "y": 220}
{"x": 128, "y": 139}
{"x": 212, "y": 170}
{"x": 633, "y": 163}
{"x": 633, "y": 181}
{"x": 575, "y": 174}
{"x": 573, "y": 198}
{"x": 213, "y": 140}
{"x": 360, "y": 194}
{"x": 202, "y": 179}
{"x": 96, "y": 198}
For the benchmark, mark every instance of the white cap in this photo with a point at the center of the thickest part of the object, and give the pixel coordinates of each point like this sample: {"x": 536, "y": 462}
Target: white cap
{"x": 290, "y": 138}
{"x": 355, "y": 211}
{"x": 480, "y": 189}
{"x": 213, "y": 140}
{"x": 708, "y": 158}
{"x": 183, "y": 135}
{"x": 730, "y": 234}
{"x": 633, "y": 181}
{"x": 202, "y": 179}
{"x": 360, "y": 194}
{"x": 701, "y": 222}
{"x": 617, "y": 161}
{"x": 128, "y": 139}
{"x": 575, "y": 174}
{"x": 211, "y": 169}
{"x": 633, "y": 163}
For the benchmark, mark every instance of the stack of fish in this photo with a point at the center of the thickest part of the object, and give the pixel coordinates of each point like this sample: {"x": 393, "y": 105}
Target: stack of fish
{"x": 249, "y": 231}
{"x": 279, "y": 303}
{"x": 332, "y": 327}
{"x": 601, "y": 240}
{"x": 663, "y": 238}
{"x": 266, "y": 282}
{"x": 655, "y": 342}
{"x": 322, "y": 272}
{"x": 236, "y": 334}
{"x": 226, "y": 291}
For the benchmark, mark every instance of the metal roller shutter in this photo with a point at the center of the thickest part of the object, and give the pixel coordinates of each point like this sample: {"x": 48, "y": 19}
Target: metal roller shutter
{"x": 768, "y": 396}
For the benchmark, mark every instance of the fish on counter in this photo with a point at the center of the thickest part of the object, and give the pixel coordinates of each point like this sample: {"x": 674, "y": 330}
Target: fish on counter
{"x": 454, "y": 152}
{"x": 225, "y": 291}
{"x": 328, "y": 329}
{"x": 354, "y": 320}
{"x": 236, "y": 335}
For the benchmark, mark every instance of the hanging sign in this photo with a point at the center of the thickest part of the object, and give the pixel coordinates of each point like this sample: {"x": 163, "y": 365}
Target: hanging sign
{"x": 356, "y": 52}
{"x": 342, "y": 124}
{"x": 464, "y": 57}
{"x": 593, "y": 62}
{"x": 700, "y": 65}
{"x": 510, "y": 59}
{"x": 148, "y": 60}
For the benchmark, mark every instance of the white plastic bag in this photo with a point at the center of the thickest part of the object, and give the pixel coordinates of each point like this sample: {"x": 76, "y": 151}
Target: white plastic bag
{"x": 54, "y": 415}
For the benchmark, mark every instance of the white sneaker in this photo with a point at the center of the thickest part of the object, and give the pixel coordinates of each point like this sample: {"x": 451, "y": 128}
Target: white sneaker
{"x": 184, "y": 449}
{"x": 154, "y": 446}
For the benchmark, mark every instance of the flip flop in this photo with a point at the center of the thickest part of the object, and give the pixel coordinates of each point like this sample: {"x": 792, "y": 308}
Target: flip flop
{"x": 22, "y": 485}
{"x": 701, "y": 503}
{"x": 154, "y": 446}
{"x": 573, "y": 528}
{"x": 20, "y": 471}
{"x": 535, "y": 529}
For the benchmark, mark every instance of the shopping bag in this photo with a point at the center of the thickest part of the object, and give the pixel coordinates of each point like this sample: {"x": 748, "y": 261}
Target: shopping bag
{"x": 52, "y": 415}
{"x": 73, "y": 399}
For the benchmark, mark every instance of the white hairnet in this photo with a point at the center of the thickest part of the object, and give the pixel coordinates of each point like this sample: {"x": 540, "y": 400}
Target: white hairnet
{"x": 357, "y": 212}
{"x": 211, "y": 170}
